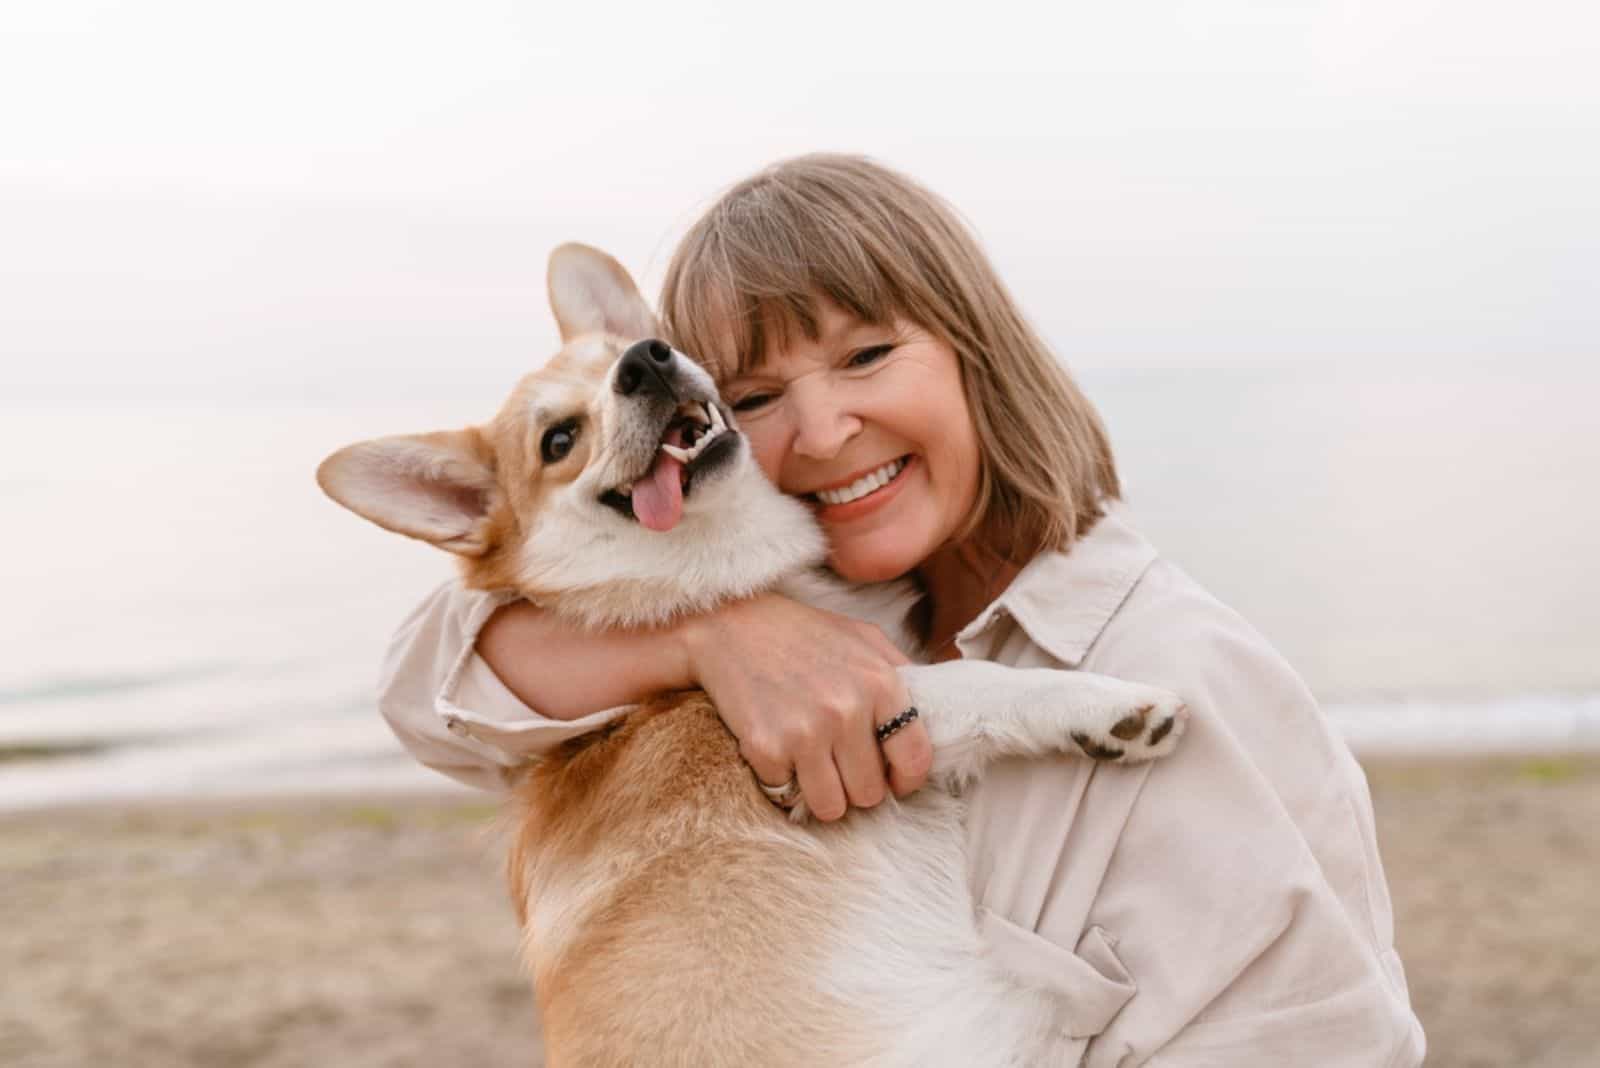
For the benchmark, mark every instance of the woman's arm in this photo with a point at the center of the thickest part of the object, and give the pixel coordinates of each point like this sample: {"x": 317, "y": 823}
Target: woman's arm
{"x": 800, "y": 688}
{"x": 597, "y": 669}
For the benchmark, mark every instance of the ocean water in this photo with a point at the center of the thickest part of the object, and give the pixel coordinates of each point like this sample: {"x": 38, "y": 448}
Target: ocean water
{"x": 186, "y": 614}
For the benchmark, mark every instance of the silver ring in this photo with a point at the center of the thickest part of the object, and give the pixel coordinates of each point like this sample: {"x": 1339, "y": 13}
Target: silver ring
{"x": 783, "y": 796}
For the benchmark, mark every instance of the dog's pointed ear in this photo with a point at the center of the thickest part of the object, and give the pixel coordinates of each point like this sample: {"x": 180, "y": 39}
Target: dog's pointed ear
{"x": 592, "y": 293}
{"x": 437, "y": 487}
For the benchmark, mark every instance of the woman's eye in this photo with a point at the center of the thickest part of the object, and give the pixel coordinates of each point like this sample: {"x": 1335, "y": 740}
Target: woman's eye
{"x": 752, "y": 402}
{"x": 870, "y": 355}
{"x": 558, "y": 441}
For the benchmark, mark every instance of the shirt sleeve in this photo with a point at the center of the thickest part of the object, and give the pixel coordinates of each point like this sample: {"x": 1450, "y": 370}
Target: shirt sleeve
{"x": 448, "y": 707}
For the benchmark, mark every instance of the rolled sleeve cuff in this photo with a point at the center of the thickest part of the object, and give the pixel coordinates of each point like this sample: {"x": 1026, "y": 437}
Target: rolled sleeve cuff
{"x": 449, "y": 708}
{"x": 482, "y": 711}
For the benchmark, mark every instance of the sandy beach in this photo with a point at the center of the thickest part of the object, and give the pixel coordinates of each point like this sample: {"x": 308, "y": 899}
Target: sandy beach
{"x": 305, "y": 932}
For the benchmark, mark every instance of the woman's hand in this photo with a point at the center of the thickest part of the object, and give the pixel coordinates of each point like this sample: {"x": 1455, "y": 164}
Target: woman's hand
{"x": 803, "y": 690}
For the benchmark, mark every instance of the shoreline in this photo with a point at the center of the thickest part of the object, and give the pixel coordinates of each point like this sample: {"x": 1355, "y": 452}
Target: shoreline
{"x": 59, "y": 761}
{"x": 375, "y": 930}
{"x": 81, "y": 777}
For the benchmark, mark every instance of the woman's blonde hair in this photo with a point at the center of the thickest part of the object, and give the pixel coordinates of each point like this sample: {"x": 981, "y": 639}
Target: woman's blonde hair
{"x": 877, "y": 244}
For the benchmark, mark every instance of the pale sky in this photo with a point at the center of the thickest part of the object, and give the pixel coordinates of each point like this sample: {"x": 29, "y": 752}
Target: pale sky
{"x": 356, "y": 199}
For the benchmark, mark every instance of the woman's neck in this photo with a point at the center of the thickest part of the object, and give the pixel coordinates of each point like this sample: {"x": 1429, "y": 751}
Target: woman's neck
{"x": 958, "y": 582}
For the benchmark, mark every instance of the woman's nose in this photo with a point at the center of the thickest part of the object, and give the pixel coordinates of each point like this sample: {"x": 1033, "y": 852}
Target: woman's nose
{"x": 822, "y": 425}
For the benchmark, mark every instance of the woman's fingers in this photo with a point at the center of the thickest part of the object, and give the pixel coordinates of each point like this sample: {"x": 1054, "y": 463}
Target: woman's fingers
{"x": 820, "y": 785}
{"x": 769, "y": 762}
{"x": 860, "y": 763}
{"x": 803, "y": 689}
{"x": 880, "y": 696}
{"x": 909, "y": 753}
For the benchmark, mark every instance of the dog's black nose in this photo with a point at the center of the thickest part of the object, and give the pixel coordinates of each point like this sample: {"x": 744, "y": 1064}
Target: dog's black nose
{"x": 646, "y": 366}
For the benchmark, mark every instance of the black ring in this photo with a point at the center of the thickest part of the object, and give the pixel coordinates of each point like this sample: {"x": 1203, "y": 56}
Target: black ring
{"x": 884, "y": 730}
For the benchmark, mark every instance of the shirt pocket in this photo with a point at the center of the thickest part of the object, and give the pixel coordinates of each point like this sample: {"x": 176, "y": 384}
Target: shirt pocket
{"x": 1090, "y": 981}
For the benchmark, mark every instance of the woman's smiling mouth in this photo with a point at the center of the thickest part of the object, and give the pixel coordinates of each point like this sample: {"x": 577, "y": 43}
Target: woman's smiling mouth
{"x": 865, "y": 494}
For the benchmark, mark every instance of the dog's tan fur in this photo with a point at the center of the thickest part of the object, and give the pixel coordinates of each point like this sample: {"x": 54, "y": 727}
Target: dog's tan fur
{"x": 508, "y": 444}
{"x": 681, "y": 858}
{"x": 671, "y": 915}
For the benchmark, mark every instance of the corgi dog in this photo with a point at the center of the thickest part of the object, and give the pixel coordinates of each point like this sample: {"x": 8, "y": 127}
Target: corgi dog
{"x": 672, "y": 915}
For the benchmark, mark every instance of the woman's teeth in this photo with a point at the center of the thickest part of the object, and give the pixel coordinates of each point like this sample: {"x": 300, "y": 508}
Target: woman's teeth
{"x": 715, "y": 425}
{"x": 867, "y": 483}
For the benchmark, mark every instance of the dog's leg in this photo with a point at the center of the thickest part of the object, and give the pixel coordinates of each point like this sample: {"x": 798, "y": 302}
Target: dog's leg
{"x": 977, "y": 712}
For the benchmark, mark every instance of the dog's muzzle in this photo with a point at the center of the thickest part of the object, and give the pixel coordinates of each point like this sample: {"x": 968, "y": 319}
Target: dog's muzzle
{"x": 683, "y": 432}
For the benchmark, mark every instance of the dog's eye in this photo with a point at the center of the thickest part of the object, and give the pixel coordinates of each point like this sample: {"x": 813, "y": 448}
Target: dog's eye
{"x": 558, "y": 441}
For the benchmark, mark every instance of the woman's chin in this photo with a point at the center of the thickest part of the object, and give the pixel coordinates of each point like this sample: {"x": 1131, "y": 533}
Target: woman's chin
{"x": 870, "y": 566}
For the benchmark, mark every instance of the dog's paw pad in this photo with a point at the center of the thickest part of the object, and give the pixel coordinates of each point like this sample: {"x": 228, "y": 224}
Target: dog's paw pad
{"x": 1163, "y": 723}
{"x": 1151, "y": 730}
{"x": 1130, "y": 727}
{"x": 1096, "y": 750}
{"x": 1162, "y": 729}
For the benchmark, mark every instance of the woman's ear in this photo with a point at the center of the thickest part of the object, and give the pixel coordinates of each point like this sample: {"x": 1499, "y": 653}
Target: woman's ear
{"x": 434, "y": 487}
{"x": 591, "y": 293}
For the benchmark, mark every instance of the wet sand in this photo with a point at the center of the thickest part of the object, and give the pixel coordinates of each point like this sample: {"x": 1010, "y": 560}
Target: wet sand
{"x": 313, "y": 932}
{"x": 1494, "y": 868}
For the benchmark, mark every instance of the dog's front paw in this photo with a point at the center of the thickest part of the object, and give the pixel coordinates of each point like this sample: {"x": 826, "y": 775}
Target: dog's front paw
{"x": 1143, "y": 728}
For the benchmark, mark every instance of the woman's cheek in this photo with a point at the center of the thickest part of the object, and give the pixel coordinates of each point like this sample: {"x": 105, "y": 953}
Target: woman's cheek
{"x": 767, "y": 448}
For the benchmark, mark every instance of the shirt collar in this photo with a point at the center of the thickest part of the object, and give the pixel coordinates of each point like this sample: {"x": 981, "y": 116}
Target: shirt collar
{"x": 1063, "y": 600}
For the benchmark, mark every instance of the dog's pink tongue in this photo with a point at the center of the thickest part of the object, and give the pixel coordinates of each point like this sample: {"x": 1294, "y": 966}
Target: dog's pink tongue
{"x": 658, "y": 497}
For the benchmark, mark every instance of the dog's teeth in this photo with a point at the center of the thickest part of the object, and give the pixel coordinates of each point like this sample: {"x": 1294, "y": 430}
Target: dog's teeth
{"x": 626, "y": 489}
{"x": 717, "y": 422}
{"x": 683, "y": 456}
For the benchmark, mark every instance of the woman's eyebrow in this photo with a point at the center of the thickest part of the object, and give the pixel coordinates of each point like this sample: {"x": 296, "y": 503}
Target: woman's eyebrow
{"x": 860, "y": 330}
{"x": 748, "y": 374}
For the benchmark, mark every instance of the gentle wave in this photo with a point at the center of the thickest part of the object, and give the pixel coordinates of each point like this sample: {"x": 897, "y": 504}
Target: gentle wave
{"x": 341, "y": 745}
{"x": 1529, "y": 723}
{"x": 352, "y": 755}
{"x": 74, "y": 686}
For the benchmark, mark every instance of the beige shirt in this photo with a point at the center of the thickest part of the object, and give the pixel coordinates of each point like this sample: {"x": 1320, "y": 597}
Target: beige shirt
{"x": 1224, "y": 907}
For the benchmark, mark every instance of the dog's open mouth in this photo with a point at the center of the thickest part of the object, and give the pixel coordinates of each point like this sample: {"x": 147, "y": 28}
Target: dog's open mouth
{"x": 698, "y": 437}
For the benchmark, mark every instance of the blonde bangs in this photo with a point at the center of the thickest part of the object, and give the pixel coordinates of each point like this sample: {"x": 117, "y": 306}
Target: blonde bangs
{"x": 750, "y": 272}
{"x": 748, "y": 276}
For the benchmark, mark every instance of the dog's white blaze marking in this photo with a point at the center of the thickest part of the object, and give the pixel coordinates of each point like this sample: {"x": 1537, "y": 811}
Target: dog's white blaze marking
{"x": 873, "y": 480}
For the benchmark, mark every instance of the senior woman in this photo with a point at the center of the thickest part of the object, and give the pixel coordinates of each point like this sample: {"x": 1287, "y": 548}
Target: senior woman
{"x": 1225, "y": 906}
